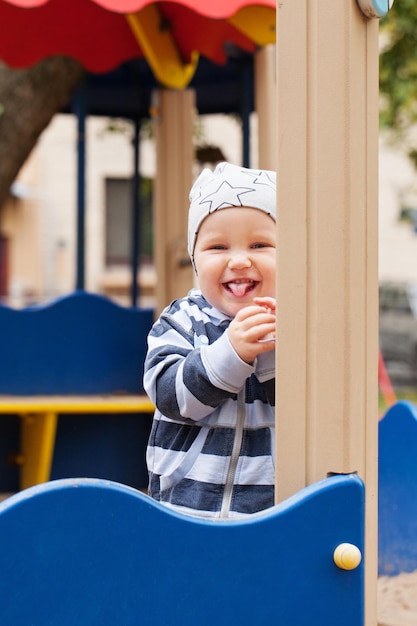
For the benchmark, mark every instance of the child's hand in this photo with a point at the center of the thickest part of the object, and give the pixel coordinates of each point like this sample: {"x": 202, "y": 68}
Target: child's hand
{"x": 265, "y": 301}
{"x": 251, "y": 325}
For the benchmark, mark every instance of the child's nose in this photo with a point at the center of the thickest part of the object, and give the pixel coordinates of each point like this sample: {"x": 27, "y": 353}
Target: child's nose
{"x": 239, "y": 260}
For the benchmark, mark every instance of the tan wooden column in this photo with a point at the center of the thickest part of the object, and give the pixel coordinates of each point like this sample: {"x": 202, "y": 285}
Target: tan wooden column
{"x": 265, "y": 105}
{"x": 173, "y": 114}
{"x": 327, "y": 285}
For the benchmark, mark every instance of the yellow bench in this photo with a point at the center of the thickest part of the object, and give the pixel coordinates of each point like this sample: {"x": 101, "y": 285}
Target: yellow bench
{"x": 39, "y": 418}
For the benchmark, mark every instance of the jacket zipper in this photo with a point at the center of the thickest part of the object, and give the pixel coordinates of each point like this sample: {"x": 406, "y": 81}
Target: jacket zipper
{"x": 234, "y": 458}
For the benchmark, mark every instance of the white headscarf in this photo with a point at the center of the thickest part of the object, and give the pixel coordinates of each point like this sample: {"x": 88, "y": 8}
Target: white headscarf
{"x": 229, "y": 186}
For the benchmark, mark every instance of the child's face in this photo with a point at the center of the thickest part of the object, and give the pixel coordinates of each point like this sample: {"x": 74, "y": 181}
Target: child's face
{"x": 235, "y": 258}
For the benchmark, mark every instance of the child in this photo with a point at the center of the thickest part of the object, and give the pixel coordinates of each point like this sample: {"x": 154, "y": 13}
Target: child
{"x": 210, "y": 366}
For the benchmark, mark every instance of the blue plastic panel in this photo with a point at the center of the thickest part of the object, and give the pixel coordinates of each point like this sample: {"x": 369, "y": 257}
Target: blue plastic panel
{"x": 79, "y": 344}
{"x": 398, "y": 490}
{"x": 91, "y": 552}
{"x": 111, "y": 446}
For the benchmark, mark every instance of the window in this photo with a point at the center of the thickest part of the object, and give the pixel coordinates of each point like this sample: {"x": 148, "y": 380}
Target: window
{"x": 119, "y": 239}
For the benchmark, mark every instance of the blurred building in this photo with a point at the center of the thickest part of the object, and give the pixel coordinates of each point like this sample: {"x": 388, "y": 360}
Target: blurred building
{"x": 38, "y": 223}
{"x": 397, "y": 214}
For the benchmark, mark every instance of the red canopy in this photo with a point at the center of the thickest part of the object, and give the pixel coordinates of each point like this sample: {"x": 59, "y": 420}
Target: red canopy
{"x": 102, "y": 34}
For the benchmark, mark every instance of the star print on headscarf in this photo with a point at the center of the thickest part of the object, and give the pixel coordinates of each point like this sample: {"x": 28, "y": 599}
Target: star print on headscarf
{"x": 230, "y": 196}
{"x": 263, "y": 177}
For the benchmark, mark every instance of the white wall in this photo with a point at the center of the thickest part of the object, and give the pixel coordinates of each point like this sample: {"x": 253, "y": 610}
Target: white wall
{"x": 397, "y": 240}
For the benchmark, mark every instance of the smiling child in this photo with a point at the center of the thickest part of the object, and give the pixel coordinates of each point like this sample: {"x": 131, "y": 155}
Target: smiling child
{"x": 210, "y": 366}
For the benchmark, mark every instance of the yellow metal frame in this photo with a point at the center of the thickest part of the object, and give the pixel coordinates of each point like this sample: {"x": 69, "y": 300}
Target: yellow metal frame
{"x": 39, "y": 419}
{"x": 37, "y": 440}
{"x": 160, "y": 48}
{"x": 257, "y": 23}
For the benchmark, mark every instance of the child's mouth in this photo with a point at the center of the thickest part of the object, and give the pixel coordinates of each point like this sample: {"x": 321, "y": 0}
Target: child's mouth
{"x": 240, "y": 288}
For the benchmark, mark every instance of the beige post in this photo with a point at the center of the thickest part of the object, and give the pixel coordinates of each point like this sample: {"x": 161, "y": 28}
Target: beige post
{"x": 327, "y": 285}
{"x": 173, "y": 113}
{"x": 265, "y": 105}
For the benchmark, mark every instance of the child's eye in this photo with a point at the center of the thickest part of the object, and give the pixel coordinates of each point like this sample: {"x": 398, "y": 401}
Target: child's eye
{"x": 259, "y": 245}
{"x": 218, "y": 246}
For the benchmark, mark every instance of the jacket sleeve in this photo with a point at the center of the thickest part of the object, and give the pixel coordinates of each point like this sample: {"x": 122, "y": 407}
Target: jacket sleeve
{"x": 184, "y": 381}
{"x": 265, "y": 366}
{"x": 265, "y": 373}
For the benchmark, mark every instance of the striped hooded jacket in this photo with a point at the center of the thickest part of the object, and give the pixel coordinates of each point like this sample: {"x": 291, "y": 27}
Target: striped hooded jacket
{"x": 210, "y": 451}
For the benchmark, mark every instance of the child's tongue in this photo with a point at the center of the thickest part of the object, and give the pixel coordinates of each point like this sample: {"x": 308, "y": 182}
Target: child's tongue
{"x": 239, "y": 289}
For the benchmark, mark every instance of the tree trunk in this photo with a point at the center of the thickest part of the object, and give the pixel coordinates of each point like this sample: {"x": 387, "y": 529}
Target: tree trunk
{"x": 29, "y": 98}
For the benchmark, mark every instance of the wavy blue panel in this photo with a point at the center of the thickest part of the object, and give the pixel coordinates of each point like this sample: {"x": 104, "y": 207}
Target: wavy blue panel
{"x": 91, "y": 552}
{"x": 79, "y": 344}
{"x": 398, "y": 490}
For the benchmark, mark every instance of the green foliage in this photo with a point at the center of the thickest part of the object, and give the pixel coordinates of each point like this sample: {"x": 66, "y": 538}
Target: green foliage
{"x": 398, "y": 67}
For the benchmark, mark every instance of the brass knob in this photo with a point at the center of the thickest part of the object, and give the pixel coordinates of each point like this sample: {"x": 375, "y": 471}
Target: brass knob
{"x": 347, "y": 556}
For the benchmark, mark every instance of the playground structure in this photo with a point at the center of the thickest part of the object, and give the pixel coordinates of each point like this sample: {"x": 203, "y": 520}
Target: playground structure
{"x": 80, "y": 356}
{"x": 327, "y": 57}
{"x": 397, "y": 488}
{"x": 94, "y": 552}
